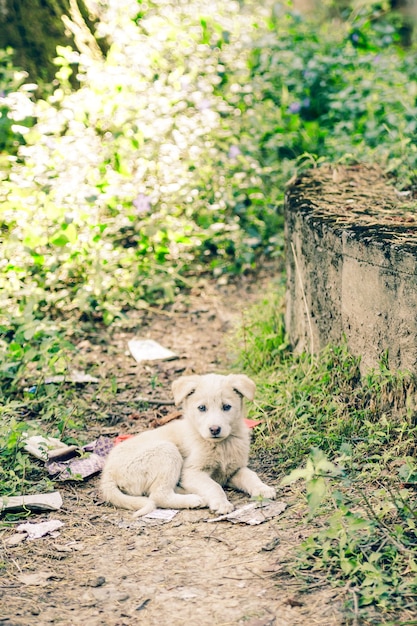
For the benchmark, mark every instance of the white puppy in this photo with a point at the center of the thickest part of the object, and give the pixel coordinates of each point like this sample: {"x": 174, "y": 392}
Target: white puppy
{"x": 183, "y": 464}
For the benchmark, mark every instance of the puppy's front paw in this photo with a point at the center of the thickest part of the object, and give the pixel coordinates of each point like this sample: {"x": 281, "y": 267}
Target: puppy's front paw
{"x": 266, "y": 492}
{"x": 221, "y": 508}
{"x": 194, "y": 502}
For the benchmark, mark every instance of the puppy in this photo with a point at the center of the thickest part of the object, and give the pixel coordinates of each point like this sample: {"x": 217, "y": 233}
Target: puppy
{"x": 185, "y": 463}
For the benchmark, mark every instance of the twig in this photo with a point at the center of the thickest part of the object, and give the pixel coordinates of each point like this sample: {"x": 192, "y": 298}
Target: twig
{"x": 263, "y": 577}
{"x": 220, "y": 540}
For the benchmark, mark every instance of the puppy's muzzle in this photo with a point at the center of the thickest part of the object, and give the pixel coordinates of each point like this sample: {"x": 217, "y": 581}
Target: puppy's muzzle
{"x": 215, "y": 431}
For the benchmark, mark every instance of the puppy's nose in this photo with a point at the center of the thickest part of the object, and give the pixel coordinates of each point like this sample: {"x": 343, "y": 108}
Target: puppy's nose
{"x": 215, "y": 430}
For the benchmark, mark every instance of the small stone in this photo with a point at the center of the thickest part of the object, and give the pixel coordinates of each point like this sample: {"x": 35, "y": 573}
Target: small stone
{"x": 98, "y": 582}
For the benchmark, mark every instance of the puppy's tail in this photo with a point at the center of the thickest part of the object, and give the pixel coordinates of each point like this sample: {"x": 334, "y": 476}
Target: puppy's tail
{"x": 111, "y": 493}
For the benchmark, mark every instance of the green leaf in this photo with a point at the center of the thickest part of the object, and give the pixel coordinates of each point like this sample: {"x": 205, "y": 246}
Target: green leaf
{"x": 316, "y": 493}
{"x": 59, "y": 240}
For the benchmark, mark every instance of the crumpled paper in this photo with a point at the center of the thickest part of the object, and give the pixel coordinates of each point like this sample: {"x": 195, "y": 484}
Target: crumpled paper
{"x": 35, "y": 531}
{"x": 80, "y": 468}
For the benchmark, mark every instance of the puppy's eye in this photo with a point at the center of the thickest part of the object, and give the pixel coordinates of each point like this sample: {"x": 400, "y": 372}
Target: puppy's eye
{"x": 226, "y": 407}
{"x": 202, "y": 408}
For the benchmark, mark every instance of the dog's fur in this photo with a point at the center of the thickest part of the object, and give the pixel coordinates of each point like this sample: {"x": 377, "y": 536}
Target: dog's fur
{"x": 183, "y": 464}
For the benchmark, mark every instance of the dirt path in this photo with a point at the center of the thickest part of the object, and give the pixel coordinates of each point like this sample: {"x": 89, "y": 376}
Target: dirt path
{"x": 106, "y": 569}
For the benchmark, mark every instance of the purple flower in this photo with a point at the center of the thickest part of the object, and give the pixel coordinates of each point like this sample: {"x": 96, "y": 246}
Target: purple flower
{"x": 142, "y": 203}
{"x": 234, "y": 152}
{"x": 294, "y": 107}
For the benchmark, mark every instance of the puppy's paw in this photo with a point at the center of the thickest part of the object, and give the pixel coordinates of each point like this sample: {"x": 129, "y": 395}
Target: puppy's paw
{"x": 221, "y": 508}
{"x": 194, "y": 501}
{"x": 266, "y": 492}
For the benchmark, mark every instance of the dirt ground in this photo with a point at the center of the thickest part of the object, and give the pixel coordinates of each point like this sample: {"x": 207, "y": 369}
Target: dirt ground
{"x": 107, "y": 569}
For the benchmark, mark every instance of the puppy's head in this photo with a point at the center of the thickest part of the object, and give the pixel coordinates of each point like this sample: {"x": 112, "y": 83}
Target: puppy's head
{"x": 214, "y": 403}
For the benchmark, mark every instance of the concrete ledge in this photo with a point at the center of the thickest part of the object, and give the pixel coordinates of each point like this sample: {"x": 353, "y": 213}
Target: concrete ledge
{"x": 352, "y": 266}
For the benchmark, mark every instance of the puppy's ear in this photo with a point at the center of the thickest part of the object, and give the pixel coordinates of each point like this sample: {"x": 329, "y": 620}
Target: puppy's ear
{"x": 243, "y": 385}
{"x": 183, "y": 387}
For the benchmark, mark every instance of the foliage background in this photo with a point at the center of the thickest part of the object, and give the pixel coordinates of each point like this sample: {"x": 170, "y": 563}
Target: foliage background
{"x": 170, "y": 159}
{"x": 168, "y": 163}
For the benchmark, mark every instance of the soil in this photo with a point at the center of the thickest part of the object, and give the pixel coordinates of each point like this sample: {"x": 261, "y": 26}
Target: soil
{"x": 104, "y": 568}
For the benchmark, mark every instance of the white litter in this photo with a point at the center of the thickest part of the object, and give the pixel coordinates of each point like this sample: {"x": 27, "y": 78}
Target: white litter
{"x": 149, "y": 350}
{"x": 35, "y": 531}
{"x": 163, "y": 515}
{"x": 75, "y": 376}
{"x": 154, "y": 518}
{"x": 45, "y": 448}
{"x": 37, "y": 502}
{"x": 253, "y": 513}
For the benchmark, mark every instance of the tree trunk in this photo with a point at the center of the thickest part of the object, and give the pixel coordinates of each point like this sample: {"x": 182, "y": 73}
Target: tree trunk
{"x": 35, "y": 28}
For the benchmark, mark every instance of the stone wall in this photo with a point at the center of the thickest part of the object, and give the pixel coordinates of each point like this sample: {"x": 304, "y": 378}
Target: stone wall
{"x": 352, "y": 266}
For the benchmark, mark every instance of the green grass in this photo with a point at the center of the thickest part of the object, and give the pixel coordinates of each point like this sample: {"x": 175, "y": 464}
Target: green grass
{"x": 351, "y": 440}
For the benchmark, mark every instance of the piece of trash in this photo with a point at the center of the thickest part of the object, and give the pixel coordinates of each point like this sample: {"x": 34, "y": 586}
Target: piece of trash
{"x": 74, "y": 376}
{"x": 155, "y": 518}
{"x": 253, "y": 513}
{"x": 80, "y": 468}
{"x": 149, "y": 350}
{"x": 252, "y": 423}
{"x": 46, "y": 448}
{"x": 40, "y": 529}
{"x": 76, "y": 469}
{"x": 38, "y": 579}
{"x": 403, "y": 194}
{"x": 100, "y": 446}
{"x": 161, "y": 515}
{"x": 121, "y": 438}
{"x": 37, "y": 502}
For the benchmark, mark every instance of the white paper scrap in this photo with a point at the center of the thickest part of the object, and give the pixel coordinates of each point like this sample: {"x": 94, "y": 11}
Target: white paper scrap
{"x": 35, "y": 531}
{"x": 163, "y": 515}
{"x": 149, "y": 350}
{"x": 75, "y": 376}
{"x": 36, "y": 502}
{"x": 253, "y": 513}
{"x": 40, "y": 446}
{"x": 154, "y": 518}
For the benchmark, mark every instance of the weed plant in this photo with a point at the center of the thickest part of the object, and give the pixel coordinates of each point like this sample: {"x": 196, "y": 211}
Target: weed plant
{"x": 171, "y": 157}
{"x": 351, "y": 439}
